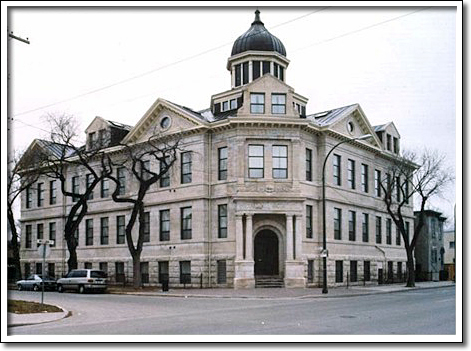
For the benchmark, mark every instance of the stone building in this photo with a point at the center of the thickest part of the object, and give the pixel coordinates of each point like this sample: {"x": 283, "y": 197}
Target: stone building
{"x": 449, "y": 240}
{"x": 243, "y": 204}
{"x": 429, "y": 250}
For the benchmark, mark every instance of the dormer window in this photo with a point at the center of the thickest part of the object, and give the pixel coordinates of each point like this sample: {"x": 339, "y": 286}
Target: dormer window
{"x": 257, "y": 103}
{"x": 396, "y": 145}
{"x": 278, "y": 103}
{"x": 388, "y": 142}
{"x": 92, "y": 140}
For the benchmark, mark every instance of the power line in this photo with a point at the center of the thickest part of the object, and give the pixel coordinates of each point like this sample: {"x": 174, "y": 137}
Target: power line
{"x": 154, "y": 70}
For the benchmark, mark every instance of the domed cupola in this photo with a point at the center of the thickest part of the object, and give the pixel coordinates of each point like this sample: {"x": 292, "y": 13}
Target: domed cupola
{"x": 255, "y": 53}
{"x": 258, "y": 38}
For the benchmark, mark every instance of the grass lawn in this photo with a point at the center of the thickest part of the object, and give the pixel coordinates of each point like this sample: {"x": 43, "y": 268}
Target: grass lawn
{"x": 18, "y": 306}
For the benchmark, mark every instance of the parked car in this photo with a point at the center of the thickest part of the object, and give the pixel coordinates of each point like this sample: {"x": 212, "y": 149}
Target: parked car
{"x": 83, "y": 280}
{"x": 35, "y": 281}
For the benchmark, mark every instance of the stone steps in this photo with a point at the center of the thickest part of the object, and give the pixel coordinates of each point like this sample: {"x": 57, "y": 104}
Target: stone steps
{"x": 269, "y": 282}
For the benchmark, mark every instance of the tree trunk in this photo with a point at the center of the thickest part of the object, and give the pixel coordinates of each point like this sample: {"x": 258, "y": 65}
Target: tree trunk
{"x": 14, "y": 244}
{"x": 136, "y": 263}
{"x": 72, "y": 261}
{"x": 410, "y": 269}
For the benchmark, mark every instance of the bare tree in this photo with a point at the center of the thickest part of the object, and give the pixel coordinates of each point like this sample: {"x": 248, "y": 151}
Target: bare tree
{"x": 19, "y": 179}
{"x": 136, "y": 162}
{"x": 422, "y": 177}
{"x": 64, "y": 157}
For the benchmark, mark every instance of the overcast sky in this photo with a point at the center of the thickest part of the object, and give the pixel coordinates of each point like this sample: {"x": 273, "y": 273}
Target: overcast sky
{"x": 398, "y": 63}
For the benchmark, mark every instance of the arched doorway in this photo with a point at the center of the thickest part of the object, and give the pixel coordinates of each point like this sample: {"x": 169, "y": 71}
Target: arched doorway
{"x": 266, "y": 253}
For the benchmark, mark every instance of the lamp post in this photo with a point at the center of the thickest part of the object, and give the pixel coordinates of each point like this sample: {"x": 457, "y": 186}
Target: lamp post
{"x": 324, "y": 243}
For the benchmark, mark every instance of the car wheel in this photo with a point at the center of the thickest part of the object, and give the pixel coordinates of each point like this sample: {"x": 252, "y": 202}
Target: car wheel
{"x": 35, "y": 288}
{"x": 60, "y": 289}
{"x": 81, "y": 289}
{"x": 20, "y": 287}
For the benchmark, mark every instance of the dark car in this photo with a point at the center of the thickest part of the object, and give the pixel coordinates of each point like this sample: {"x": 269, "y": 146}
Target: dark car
{"x": 35, "y": 282}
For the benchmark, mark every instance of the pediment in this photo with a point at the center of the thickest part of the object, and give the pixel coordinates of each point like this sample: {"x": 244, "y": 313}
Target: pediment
{"x": 268, "y": 82}
{"x": 353, "y": 123}
{"x": 163, "y": 118}
{"x": 98, "y": 123}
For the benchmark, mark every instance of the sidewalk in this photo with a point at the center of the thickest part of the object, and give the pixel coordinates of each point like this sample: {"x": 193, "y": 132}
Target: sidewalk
{"x": 15, "y": 320}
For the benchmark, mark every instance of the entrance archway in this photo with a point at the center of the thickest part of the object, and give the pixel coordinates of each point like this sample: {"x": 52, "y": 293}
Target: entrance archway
{"x": 266, "y": 253}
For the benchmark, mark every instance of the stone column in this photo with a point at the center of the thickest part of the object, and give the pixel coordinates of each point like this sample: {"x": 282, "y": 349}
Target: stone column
{"x": 239, "y": 238}
{"x": 250, "y": 71}
{"x": 299, "y": 237}
{"x": 248, "y": 238}
{"x": 233, "y": 76}
{"x": 289, "y": 237}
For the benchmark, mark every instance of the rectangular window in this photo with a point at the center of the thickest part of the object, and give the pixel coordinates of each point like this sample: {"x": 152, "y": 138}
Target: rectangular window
{"x": 164, "y": 172}
{"x": 40, "y": 194}
{"x": 225, "y": 106}
{"x": 337, "y": 170}
{"x": 310, "y": 271}
{"x": 238, "y": 75}
{"x": 433, "y": 225}
{"x": 52, "y": 233}
{"x": 146, "y": 238}
{"x": 103, "y": 266}
{"x": 275, "y": 69}
{"x": 104, "y": 231}
{"x": 40, "y": 232}
{"x": 89, "y": 182}
{"x": 121, "y": 175}
{"x": 257, "y": 103}
{"x": 29, "y": 197}
{"x": 377, "y": 182}
{"x": 365, "y": 228}
{"x": 164, "y": 225}
{"x": 51, "y": 270}
{"x": 52, "y": 193}
{"x": 366, "y": 271}
{"x": 163, "y": 271}
{"x": 120, "y": 230}
{"x": 378, "y": 230}
{"x": 388, "y": 231}
{"x": 266, "y": 67}
{"x": 185, "y": 272}
{"x": 88, "y": 265}
{"x": 398, "y": 236}
{"x": 353, "y": 271}
{"x": 89, "y": 232}
{"x": 388, "y": 184}
{"x": 352, "y": 219}
{"x": 245, "y": 73}
{"x": 186, "y": 167}
{"x": 396, "y": 145}
{"x": 337, "y": 224}
{"x": 222, "y": 163}
{"x": 351, "y": 174}
{"x": 309, "y": 165}
{"x": 185, "y": 223}
{"x": 255, "y": 69}
{"x": 399, "y": 270}
{"x": 398, "y": 189}
{"x": 281, "y": 75}
{"x": 338, "y": 271}
{"x": 145, "y": 272}
{"x": 221, "y": 273}
{"x": 256, "y": 161}
{"x": 278, "y": 104}
{"x": 233, "y": 104}
{"x": 406, "y": 191}
{"x": 388, "y": 142}
{"x": 309, "y": 221}
{"x": 364, "y": 178}
{"x": 119, "y": 272}
{"x": 222, "y": 221}
{"x": 39, "y": 268}
{"x": 390, "y": 271}
{"x": 105, "y": 188}
{"x": 28, "y": 238}
{"x": 280, "y": 161}
{"x": 75, "y": 188}
{"x": 76, "y": 236}
{"x": 452, "y": 245}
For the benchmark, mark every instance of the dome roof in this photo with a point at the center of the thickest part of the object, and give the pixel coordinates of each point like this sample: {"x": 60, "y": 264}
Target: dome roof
{"x": 258, "y": 38}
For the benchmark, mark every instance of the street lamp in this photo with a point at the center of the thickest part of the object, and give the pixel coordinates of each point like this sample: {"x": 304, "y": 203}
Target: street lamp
{"x": 324, "y": 243}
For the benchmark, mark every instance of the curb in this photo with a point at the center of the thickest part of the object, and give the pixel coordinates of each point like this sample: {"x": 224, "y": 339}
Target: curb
{"x": 64, "y": 314}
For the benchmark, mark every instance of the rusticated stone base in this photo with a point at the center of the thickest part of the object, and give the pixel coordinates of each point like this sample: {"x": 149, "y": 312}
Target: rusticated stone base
{"x": 244, "y": 275}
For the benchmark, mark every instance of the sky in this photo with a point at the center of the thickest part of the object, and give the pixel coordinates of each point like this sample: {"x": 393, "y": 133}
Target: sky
{"x": 400, "y": 63}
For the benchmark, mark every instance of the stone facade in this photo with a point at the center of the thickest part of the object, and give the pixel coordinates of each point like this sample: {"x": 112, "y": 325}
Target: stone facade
{"x": 255, "y": 196}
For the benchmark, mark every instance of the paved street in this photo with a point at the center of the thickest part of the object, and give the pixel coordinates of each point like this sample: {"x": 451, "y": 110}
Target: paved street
{"x": 427, "y": 311}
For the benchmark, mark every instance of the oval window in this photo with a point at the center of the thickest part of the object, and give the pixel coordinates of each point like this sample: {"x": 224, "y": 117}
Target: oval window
{"x": 350, "y": 127}
{"x": 165, "y": 122}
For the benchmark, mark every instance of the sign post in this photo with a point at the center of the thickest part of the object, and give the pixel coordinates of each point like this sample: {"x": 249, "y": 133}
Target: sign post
{"x": 43, "y": 249}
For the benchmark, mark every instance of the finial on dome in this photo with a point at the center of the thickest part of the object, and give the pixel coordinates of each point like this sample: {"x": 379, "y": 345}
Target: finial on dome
{"x": 257, "y": 18}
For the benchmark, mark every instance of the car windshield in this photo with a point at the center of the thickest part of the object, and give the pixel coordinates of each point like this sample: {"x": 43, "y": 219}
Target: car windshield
{"x": 97, "y": 274}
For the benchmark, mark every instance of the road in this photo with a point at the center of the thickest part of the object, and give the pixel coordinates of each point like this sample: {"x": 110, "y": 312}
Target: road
{"x": 426, "y": 311}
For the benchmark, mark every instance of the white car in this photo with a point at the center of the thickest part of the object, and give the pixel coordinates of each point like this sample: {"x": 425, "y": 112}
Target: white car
{"x": 82, "y": 280}
{"x": 35, "y": 281}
